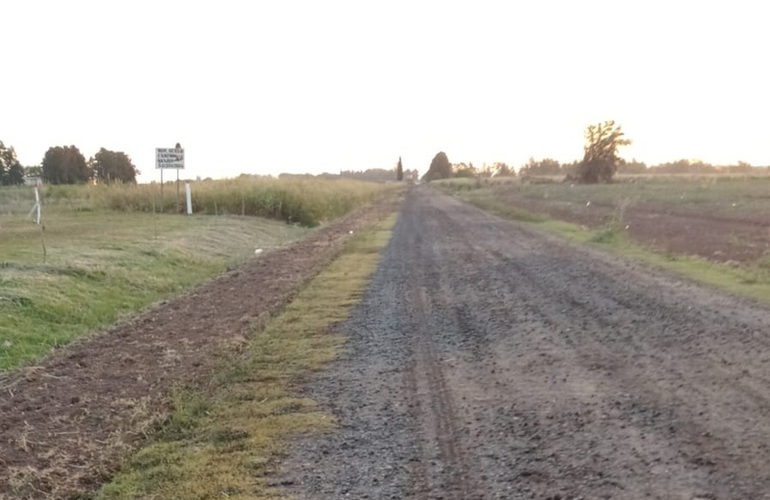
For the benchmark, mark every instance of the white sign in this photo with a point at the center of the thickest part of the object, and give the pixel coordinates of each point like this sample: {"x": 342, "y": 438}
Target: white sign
{"x": 169, "y": 157}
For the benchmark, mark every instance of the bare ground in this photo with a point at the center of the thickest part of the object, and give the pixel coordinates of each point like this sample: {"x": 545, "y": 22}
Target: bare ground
{"x": 66, "y": 423}
{"x": 716, "y": 236}
{"x": 488, "y": 360}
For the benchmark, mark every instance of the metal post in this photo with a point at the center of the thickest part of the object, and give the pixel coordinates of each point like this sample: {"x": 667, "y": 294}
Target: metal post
{"x": 178, "y": 202}
{"x": 37, "y": 204}
{"x": 189, "y": 197}
{"x": 36, "y": 208}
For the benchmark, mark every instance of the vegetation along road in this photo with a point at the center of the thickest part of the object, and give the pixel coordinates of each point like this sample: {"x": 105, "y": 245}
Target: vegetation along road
{"x": 488, "y": 360}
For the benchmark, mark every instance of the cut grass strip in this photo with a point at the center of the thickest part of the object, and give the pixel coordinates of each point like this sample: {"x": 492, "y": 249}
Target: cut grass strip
{"x": 750, "y": 281}
{"x": 225, "y": 440}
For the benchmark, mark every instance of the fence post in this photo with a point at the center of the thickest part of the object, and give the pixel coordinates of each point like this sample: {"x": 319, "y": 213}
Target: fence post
{"x": 189, "y": 197}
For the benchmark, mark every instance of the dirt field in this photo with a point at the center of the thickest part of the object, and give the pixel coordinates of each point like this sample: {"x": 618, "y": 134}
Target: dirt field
{"x": 66, "y": 423}
{"x": 708, "y": 233}
{"x": 490, "y": 361}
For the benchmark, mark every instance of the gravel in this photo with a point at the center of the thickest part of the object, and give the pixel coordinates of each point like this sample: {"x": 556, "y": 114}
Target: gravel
{"x": 489, "y": 360}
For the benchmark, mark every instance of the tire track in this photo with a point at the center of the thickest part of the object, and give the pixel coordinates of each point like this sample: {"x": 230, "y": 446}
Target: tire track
{"x": 435, "y": 410}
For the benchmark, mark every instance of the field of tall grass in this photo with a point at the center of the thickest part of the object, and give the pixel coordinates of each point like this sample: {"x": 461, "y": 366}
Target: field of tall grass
{"x": 308, "y": 202}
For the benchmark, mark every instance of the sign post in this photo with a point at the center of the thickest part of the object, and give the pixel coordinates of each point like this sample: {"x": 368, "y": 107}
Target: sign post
{"x": 169, "y": 158}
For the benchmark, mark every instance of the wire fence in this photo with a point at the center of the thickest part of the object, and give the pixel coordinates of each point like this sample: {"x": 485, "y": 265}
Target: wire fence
{"x": 18, "y": 202}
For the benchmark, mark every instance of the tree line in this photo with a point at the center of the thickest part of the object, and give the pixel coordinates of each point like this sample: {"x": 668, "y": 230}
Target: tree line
{"x": 67, "y": 165}
{"x": 550, "y": 167}
{"x": 600, "y": 163}
{"x": 11, "y": 171}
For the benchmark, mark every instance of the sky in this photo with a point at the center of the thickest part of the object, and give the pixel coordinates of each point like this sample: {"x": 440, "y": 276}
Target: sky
{"x": 265, "y": 87}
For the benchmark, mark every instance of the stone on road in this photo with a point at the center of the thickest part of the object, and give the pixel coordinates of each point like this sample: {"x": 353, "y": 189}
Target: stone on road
{"x": 488, "y": 360}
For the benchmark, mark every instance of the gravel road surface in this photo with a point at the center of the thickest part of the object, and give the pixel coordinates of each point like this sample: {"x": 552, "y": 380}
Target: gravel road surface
{"x": 487, "y": 360}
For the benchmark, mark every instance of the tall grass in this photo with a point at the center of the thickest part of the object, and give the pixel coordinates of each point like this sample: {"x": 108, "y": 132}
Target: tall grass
{"x": 308, "y": 202}
{"x": 304, "y": 201}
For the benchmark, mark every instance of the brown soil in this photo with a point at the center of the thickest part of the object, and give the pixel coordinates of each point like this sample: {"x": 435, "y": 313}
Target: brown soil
{"x": 66, "y": 423}
{"x": 719, "y": 237}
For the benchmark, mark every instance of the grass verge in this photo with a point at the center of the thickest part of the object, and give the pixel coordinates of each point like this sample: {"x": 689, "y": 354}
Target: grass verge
{"x": 225, "y": 440}
{"x": 751, "y": 281}
{"x": 101, "y": 265}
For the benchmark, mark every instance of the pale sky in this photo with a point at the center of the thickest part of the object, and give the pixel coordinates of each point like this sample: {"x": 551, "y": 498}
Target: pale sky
{"x": 267, "y": 87}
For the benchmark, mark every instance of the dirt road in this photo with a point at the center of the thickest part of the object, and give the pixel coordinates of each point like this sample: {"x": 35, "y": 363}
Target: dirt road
{"x": 490, "y": 361}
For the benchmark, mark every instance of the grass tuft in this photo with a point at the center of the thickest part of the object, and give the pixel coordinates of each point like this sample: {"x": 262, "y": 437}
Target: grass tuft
{"x": 613, "y": 231}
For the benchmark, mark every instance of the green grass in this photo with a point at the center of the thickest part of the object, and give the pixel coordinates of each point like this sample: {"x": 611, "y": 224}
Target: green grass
{"x": 459, "y": 184}
{"x": 480, "y": 199}
{"x": 752, "y": 281}
{"x": 101, "y": 265}
{"x": 226, "y": 440}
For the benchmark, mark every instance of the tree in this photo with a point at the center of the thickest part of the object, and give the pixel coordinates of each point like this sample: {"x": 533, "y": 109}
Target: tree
{"x": 440, "y": 168}
{"x": 110, "y": 166}
{"x": 65, "y": 165}
{"x": 463, "y": 170}
{"x": 372, "y": 175}
{"x": 11, "y": 171}
{"x": 684, "y": 167}
{"x": 463, "y": 173}
{"x": 35, "y": 171}
{"x": 632, "y": 167}
{"x": 501, "y": 169}
{"x": 487, "y": 170}
{"x": 399, "y": 170}
{"x": 546, "y": 166}
{"x": 600, "y": 159}
{"x": 14, "y": 176}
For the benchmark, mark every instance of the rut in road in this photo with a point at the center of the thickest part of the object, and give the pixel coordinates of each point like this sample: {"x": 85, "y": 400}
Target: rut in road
{"x": 488, "y": 360}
